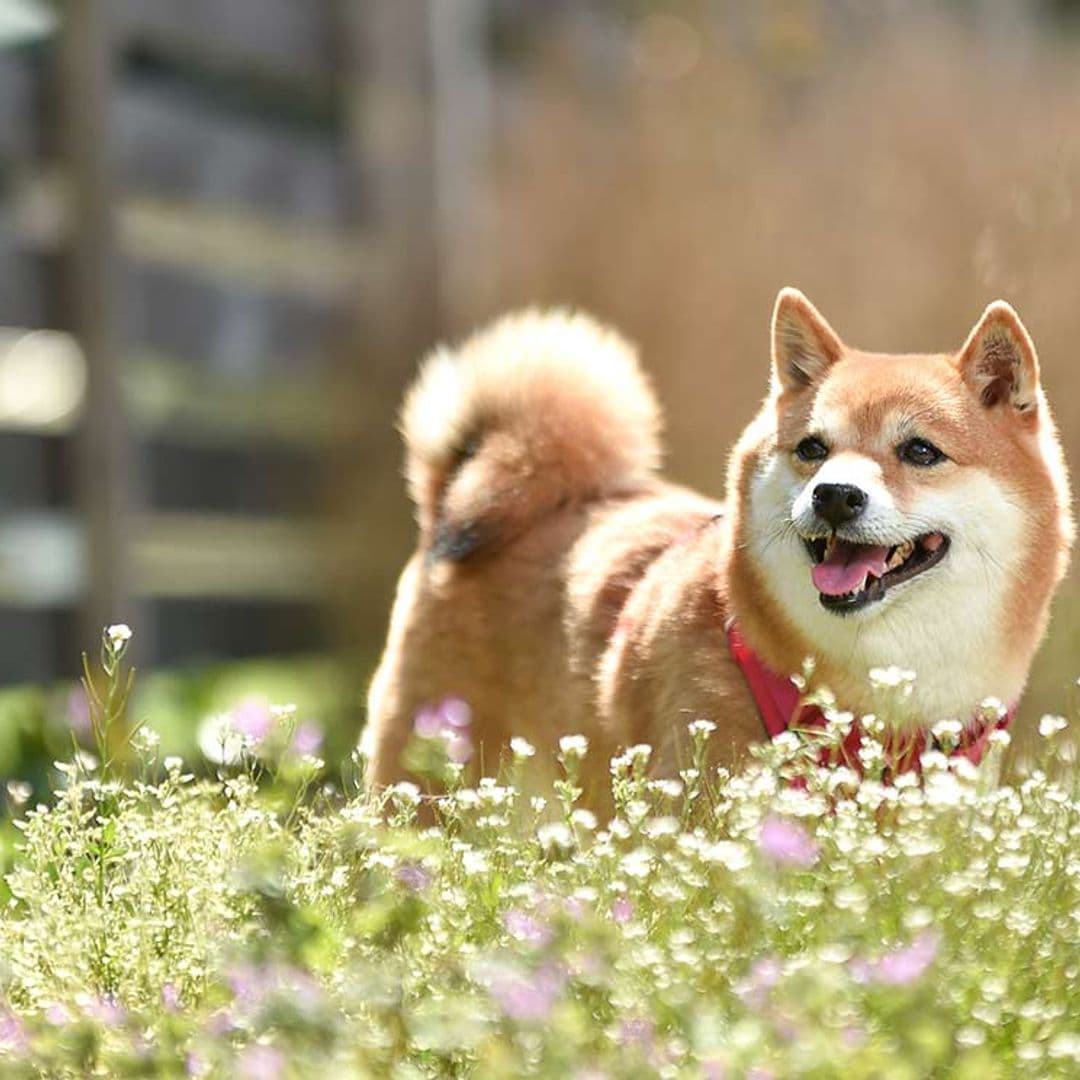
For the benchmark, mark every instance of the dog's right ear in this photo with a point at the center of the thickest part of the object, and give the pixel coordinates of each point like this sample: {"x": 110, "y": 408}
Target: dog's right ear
{"x": 804, "y": 345}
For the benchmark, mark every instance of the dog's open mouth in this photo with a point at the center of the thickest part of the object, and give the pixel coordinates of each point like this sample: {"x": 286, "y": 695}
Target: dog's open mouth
{"x": 849, "y": 576}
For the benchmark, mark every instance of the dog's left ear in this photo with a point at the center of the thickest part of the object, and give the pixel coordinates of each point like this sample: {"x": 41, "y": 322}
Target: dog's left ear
{"x": 804, "y": 345}
{"x": 998, "y": 360}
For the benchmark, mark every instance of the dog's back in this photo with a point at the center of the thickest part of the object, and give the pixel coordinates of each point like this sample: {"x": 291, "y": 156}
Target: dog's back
{"x": 531, "y": 457}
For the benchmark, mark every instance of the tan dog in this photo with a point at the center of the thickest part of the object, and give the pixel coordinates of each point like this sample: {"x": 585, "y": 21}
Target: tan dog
{"x": 883, "y": 510}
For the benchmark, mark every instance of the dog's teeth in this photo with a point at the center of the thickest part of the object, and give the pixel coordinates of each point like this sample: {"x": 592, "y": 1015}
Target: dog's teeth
{"x": 901, "y": 553}
{"x": 829, "y": 545}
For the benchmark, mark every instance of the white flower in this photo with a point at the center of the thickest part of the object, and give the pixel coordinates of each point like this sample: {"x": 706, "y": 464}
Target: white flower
{"x": 728, "y": 853}
{"x": 555, "y": 838}
{"x": 573, "y": 747}
{"x": 1065, "y": 1045}
{"x": 1000, "y": 737}
{"x": 933, "y": 760}
{"x": 658, "y": 827}
{"x": 173, "y": 763}
{"x": 636, "y": 863}
{"x": 219, "y": 741}
{"x": 947, "y": 730}
{"x": 86, "y": 761}
{"x": 1049, "y": 725}
{"x": 702, "y": 728}
{"x": 406, "y": 793}
{"x": 475, "y": 862}
{"x": 873, "y": 725}
{"x": 942, "y": 788}
{"x": 19, "y": 791}
{"x": 839, "y": 723}
{"x": 842, "y": 776}
{"x": 892, "y": 677}
{"x": 521, "y": 748}
{"x": 146, "y": 739}
{"x": 584, "y": 819}
{"x": 786, "y": 743}
{"x": 672, "y": 789}
{"x": 119, "y": 634}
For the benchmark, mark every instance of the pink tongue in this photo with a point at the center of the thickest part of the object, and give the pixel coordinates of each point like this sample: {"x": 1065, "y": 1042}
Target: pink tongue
{"x": 847, "y": 566}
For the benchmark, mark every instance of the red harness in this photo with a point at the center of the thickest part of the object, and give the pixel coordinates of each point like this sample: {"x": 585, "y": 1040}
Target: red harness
{"x": 780, "y": 704}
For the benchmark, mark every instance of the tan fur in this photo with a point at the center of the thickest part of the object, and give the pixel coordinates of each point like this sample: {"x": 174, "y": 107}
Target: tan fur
{"x": 560, "y": 586}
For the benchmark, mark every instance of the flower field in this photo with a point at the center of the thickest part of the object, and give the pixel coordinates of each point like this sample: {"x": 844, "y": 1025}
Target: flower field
{"x": 262, "y": 923}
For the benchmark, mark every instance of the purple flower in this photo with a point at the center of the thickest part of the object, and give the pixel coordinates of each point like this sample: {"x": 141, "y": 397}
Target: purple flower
{"x": 852, "y": 1036}
{"x": 575, "y": 908}
{"x": 170, "y": 997}
{"x": 527, "y": 997}
{"x": 78, "y": 711}
{"x": 523, "y": 927}
{"x": 247, "y": 985}
{"x": 195, "y": 1065}
{"x": 105, "y": 1010}
{"x": 449, "y": 720}
{"x": 908, "y": 963}
{"x": 221, "y": 1023}
{"x": 259, "y": 1062}
{"x": 764, "y": 975}
{"x": 787, "y": 843}
{"x": 58, "y": 1015}
{"x": 452, "y": 714}
{"x": 901, "y": 966}
{"x": 455, "y": 713}
{"x": 636, "y": 1033}
{"x": 622, "y": 911}
{"x": 588, "y": 966}
{"x": 413, "y": 876}
{"x": 308, "y": 738}
{"x": 12, "y": 1034}
{"x": 252, "y": 718}
{"x": 427, "y": 723}
{"x": 713, "y": 1069}
{"x": 459, "y": 747}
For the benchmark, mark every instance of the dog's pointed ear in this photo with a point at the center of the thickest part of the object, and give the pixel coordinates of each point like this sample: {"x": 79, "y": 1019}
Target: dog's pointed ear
{"x": 998, "y": 360}
{"x": 804, "y": 345}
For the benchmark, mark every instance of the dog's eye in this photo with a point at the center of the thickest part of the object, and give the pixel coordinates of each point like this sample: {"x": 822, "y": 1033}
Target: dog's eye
{"x": 811, "y": 449}
{"x": 920, "y": 452}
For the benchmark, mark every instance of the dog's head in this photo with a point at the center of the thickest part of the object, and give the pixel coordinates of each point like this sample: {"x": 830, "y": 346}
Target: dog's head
{"x": 905, "y": 510}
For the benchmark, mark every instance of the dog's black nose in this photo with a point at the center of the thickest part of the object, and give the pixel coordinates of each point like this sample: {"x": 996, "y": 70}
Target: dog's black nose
{"x": 839, "y": 503}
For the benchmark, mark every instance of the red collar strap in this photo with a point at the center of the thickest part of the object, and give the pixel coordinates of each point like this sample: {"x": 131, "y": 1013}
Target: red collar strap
{"x": 779, "y": 702}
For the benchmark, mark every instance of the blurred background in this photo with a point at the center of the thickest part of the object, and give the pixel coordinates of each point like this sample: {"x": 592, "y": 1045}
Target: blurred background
{"x": 229, "y": 229}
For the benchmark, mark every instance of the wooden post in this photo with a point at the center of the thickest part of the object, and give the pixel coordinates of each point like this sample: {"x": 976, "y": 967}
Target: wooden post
{"x": 395, "y": 313}
{"x": 104, "y": 455}
{"x": 462, "y": 119}
{"x": 419, "y": 122}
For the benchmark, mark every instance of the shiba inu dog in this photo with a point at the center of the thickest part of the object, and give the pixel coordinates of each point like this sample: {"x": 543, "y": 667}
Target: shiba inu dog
{"x": 882, "y": 510}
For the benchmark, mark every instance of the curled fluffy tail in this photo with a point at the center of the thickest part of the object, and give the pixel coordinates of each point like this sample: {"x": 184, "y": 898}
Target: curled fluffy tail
{"x": 537, "y": 411}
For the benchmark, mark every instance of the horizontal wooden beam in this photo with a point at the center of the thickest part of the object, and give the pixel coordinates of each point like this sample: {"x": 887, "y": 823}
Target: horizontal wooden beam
{"x": 225, "y": 244}
{"x": 172, "y": 555}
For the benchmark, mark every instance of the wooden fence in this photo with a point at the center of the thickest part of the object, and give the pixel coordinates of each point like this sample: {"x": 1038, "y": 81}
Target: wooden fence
{"x": 229, "y": 217}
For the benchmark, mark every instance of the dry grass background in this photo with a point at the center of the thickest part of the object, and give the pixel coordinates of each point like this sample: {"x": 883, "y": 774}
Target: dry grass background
{"x": 902, "y": 172}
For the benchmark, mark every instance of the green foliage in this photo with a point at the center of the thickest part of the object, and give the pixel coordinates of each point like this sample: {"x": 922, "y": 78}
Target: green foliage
{"x": 719, "y": 925}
